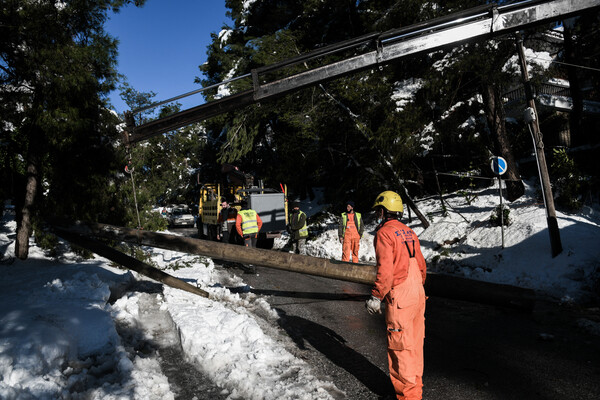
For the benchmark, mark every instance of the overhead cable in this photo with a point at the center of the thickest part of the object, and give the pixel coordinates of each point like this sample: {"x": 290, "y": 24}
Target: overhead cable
{"x": 181, "y": 96}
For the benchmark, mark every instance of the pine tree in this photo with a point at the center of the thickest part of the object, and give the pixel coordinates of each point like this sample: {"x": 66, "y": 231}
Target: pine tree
{"x": 352, "y": 132}
{"x": 57, "y": 67}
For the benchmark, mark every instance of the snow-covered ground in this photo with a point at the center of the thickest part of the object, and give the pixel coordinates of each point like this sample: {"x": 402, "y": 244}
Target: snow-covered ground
{"x": 63, "y": 336}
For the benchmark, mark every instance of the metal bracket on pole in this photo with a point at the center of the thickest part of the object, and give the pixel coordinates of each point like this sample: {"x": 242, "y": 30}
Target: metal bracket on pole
{"x": 497, "y": 23}
{"x": 379, "y": 55}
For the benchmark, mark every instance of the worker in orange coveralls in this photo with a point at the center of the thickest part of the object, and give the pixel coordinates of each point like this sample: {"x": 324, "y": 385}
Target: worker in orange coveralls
{"x": 350, "y": 230}
{"x": 401, "y": 272}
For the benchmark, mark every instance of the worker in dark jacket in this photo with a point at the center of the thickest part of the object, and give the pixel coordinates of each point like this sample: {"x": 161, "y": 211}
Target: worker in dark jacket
{"x": 350, "y": 231}
{"x": 298, "y": 229}
{"x": 226, "y": 222}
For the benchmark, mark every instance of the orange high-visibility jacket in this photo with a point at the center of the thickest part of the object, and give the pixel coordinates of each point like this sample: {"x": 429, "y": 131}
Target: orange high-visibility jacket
{"x": 392, "y": 256}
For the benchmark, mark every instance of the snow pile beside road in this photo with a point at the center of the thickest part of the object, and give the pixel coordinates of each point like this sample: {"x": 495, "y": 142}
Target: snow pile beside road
{"x": 227, "y": 342}
{"x": 58, "y": 337}
{"x": 61, "y": 338}
{"x": 464, "y": 242}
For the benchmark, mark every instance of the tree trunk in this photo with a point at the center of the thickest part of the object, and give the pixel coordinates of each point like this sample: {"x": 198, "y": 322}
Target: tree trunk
{"x": 494, "y": 110}
{"x": 25, "y": 216}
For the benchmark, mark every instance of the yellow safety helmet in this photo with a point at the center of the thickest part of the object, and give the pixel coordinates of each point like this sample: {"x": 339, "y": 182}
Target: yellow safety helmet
{"x": 390, "y": 200}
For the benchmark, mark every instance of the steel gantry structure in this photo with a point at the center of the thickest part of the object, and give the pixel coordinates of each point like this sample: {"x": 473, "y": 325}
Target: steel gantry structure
{"x": 479, "y": 23}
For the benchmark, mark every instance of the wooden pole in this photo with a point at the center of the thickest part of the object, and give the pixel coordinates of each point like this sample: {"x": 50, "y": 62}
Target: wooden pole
{"x": 359, "y": 273}
{"x": 411, "y": 205}
{"x": 532, "y": 119}
{"x": 439, "y": 188}
{"x": 501, "y": 210}
{"x": 436, "y": 284}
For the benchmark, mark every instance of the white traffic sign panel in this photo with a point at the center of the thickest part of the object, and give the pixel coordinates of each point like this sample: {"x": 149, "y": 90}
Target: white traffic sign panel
{"x": 499, "y": 165}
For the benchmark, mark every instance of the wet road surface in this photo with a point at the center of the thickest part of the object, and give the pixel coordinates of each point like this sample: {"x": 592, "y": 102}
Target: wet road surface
{"x": 472, "y": 351}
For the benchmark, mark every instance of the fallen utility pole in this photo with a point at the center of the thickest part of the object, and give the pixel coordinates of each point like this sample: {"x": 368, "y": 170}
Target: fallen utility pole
{"x": 436, "y": 284}
{"x": 128, "y": 262}
{"x": 358, "y": 273}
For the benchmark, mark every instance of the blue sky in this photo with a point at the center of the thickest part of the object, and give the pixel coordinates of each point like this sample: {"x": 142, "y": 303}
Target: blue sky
{"x": 163, "y": 43}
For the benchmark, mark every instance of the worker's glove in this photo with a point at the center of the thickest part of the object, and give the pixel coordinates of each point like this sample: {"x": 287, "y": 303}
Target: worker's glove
{"x": 373, "y": 305}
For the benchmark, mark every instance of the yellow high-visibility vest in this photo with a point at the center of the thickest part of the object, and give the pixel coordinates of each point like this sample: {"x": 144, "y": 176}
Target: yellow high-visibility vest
{"x": 304, "y": 230}
{"x": 249, "y": 222}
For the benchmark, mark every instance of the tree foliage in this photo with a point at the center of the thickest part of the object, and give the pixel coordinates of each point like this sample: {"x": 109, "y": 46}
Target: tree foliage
{"x": 351, "y": 134}
{"x": 57, "y": 66}
{"x": 365, "y": 132}
{"x": 163, "y": 169}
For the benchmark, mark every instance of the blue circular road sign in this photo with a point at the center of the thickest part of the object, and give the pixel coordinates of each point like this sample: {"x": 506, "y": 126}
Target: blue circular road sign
{"x": 498, "y": 165}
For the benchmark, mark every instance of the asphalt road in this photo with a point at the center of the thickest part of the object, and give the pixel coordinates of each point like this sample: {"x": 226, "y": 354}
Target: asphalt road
{"x": 472, "y": 351}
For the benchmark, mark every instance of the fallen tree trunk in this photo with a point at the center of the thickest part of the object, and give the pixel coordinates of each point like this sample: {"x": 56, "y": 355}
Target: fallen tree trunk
{"x": 454, "y": 287}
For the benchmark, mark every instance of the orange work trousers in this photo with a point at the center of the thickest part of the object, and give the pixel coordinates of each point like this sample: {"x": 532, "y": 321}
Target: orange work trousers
{"x": 405, "y": 320}
{"x": 350, "y": 245}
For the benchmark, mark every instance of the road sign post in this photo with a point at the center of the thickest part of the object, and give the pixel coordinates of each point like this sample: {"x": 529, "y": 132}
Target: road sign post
{"x": 499, "y": 167}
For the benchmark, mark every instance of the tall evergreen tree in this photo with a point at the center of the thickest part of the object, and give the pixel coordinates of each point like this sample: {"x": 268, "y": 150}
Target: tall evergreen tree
{"x": 469, "y": 81}
{"x": 57, "y": 67}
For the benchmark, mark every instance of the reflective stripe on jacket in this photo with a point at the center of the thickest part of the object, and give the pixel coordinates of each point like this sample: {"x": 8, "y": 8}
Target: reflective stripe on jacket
{"x": 226, "y": 219}
{"x": 249, "y": 221}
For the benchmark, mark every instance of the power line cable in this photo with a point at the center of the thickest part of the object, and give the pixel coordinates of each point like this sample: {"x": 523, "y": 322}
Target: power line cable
{"x": 568, "y": 64}
{"x": 181, "y": 96}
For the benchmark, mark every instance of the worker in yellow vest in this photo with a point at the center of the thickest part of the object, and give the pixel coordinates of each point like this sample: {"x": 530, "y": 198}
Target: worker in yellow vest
{"x": 248, "y": 224}
{"x": 298, "y": 229}
{"x": 350, "y": 231}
